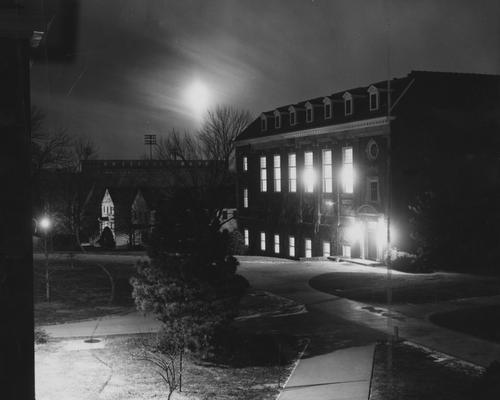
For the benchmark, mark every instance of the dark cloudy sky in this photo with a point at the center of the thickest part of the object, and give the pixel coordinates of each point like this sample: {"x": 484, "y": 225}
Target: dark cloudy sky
{"x": 136, "y": 59}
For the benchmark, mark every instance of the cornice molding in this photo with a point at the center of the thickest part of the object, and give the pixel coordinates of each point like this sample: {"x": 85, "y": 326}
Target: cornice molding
{"x": 338, "y": 128}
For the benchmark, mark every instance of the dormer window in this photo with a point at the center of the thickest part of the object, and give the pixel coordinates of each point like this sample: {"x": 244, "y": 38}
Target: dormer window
{"x": 293, "y": 116}
{"x": 277, "y": 119}
{"x": 374, "y": 96}
{"x": 263, "y": 123}
{"x": 348, "y": 103}
{"x": 327, "y": 107}
{"x": 309, "y": 112}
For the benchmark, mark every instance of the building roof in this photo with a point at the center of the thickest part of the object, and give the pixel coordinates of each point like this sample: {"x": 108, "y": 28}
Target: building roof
{"x": 444, "y": 87}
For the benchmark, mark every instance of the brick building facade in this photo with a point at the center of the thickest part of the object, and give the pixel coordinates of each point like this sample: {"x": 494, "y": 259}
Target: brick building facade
{"x": 321, "y": 177}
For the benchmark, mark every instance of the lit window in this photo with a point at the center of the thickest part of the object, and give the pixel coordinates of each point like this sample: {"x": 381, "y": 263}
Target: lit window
{"x": 328, "y": 108}
{"x": 263, "y": 174}
{"x": 327, "y": 171}
{"x": 326, "y": 249}
{"x": 308, "y": 172}
{"x": 291, "y": 246}
{"x": 277, "y": 173}
{"x": 263, "y": 123}
{"x": 346, "y": 250}
{"x": 292, "y": 173}
{"x": 277, "y": 119}
{"x": 247, "y": 237}
{"x": 293, "y": 116}
{"x": 309, "y": 112}
{"x": 347, "y": 170}
{"x": 373, "y": 93}
{"x": 263, "y": 241}
{"x": 308, "y": 248}
{"x": 245, "y": 198}
{"x": 277, "y": 244}
{"x": 348, "y": 104}
{"x": 245, "y": 163}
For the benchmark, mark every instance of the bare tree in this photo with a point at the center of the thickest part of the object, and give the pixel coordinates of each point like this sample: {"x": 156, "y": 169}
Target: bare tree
{"x": 179, "y": 146}
{"x": 84, "y": 149}
{"x": 219, "y": 131}
{"x": 49, "y": 149}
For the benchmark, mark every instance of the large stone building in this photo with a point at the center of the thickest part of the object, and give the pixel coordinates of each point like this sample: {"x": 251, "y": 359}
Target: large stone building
{"x": 322, "y": 176}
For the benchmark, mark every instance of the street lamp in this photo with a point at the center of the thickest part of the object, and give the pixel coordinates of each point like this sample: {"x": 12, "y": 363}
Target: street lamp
{"x": 45, "y": 224}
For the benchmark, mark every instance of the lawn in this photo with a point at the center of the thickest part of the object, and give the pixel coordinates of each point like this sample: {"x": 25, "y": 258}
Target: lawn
{"x": 405, "y": 372}
{"x": 482, "y": 322}
{"x": 80, "y": 287}
{"x": 115, "y": 372}
{"x": 371, "y": 287}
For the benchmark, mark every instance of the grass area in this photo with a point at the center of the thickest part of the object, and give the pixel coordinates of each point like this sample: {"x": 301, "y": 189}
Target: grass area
{"x": 482, "y": 322}
{"x": 81, "y": 289}
{"x": 405, "y": 372}
{"x": 371, "y": 287}
{"x": 114, "y": 372}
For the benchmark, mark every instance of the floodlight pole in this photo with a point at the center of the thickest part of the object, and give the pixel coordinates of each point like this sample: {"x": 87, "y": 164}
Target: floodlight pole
{"x": 150, "y": 140}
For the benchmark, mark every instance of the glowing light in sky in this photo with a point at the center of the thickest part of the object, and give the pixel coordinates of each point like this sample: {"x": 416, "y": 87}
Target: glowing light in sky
{"x": 197, "y": 98}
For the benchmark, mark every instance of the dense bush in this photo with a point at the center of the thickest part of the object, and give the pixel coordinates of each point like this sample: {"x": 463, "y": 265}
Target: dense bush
{"x": 190, "y": 281}
{"x": 107, "y": 241}
{"x": 406, "y": 262}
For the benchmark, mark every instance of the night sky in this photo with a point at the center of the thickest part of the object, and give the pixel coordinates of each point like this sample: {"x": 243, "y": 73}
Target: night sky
{"x": 144, "y": 66}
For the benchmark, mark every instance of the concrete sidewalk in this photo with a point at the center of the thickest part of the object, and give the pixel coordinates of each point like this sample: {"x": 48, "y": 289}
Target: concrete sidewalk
{"x": 342, "y": 374}
{"x": 105, "y": 326}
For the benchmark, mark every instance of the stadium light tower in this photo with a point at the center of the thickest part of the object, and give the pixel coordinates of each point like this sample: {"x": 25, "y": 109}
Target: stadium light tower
{"x": 150, "y": 140}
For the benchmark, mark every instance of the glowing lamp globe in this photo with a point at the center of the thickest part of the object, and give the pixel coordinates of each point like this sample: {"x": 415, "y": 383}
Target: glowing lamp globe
{"x": 45, "y": 223}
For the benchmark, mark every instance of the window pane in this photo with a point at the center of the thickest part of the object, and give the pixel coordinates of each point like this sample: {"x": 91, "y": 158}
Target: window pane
{"x": 292, "y": 173}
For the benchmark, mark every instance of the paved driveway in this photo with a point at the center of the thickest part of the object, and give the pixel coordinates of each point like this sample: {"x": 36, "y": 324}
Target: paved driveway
{"x": 290, "y": 279}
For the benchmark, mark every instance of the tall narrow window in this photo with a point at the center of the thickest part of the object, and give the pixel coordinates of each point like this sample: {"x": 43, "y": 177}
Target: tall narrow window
{"x": 347, "y": 170}
{"x": 373, "y": 93}
{"x": 293, "y": 116}
{"x": 327, "y": 171}
{"x": 263, "y": 174}
{"x": 245, "y": 163}
{"x": 309, "y": 176}
{"x": 327, "y": 108}
{"x": 247, "y": 237}
{"x": 291, "y": 246}
{"x": 245, "y": 198}
{"x": 263, "y": 241}
{"x": 346, "y": 250}
{"x": 309, "y": 112}
{"x": 277, "y": 120}
{"x": 308, "y": 243}
{"x": 326, "y": 249}
{"x": 277, "y": 173}
{"x": 263, "y": 122}
{"x": 277, "y": 244}
{"x": 373, "y": 189}
{"x": 292, "y": 173}
{"x": 348, "y": 105}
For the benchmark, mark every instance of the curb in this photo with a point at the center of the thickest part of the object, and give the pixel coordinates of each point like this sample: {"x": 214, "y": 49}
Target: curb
{"x": 294, "y": 368}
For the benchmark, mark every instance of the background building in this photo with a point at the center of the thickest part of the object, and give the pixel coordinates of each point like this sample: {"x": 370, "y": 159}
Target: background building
{"x": 125, "y": 195}
{"x": 321, "y": 177}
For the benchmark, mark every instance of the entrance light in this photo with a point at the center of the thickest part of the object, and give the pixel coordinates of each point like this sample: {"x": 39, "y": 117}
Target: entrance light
{"x": 354, "y": 232}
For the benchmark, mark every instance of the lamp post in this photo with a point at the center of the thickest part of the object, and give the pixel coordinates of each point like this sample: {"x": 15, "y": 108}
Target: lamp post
{"x": 45, "y": 224}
